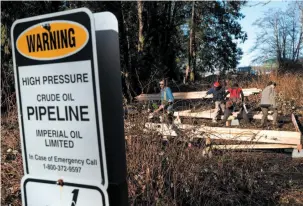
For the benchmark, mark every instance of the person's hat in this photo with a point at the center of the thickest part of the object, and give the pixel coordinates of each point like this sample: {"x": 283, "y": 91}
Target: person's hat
{"x": 216, "y": 84}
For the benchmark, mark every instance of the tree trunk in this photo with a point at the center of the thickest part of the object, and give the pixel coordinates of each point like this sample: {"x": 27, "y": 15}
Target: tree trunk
{"x": 127, "y": 58}
{"x": 299, "y": 44}
{"x": 278, "y": 46}
{"x": 191, "y": 43}
{"x": 140, "y": 35}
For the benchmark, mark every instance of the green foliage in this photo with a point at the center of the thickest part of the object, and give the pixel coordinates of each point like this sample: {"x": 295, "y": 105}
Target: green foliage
{"x": 155, "y": 106}
{"x": 216, "y": 29}
{"x": 11, "y": 11}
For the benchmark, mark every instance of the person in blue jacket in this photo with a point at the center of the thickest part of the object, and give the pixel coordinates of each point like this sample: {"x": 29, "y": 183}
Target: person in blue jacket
{"x": 167, "y": 99}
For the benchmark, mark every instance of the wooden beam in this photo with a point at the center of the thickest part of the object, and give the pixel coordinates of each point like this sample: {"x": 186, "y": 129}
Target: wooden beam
{"x": 255, "y": 146}
{"x": 191, "y": 95}
{"x": 209, "y": 114}
{"x": 237, "y": 134}
{"x": 298, "y": 127}
{"x": 296, "y": 123}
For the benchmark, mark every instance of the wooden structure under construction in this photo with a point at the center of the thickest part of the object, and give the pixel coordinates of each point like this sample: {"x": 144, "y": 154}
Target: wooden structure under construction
{"x": 249, "y": 138}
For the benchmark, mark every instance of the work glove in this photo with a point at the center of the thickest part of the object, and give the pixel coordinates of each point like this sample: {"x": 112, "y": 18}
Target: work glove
{"x": 161, "y": 106}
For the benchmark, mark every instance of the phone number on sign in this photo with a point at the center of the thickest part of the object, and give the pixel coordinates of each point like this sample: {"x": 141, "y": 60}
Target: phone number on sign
{"x": 62, "y": 168}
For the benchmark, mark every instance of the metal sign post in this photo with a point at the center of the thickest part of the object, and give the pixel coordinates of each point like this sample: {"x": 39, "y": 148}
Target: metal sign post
{"x": 107, "y": 39}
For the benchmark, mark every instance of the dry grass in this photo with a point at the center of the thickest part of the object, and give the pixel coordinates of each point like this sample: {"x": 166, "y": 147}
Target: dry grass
{"x": 289, "y": 86}
{"x": 175, "y": 174}
{"x": 11, "y": 160}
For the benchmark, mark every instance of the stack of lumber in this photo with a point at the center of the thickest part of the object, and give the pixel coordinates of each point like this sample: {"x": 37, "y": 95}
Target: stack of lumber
{"x": 272, "y": 138}
{"x": 191, "y": 95}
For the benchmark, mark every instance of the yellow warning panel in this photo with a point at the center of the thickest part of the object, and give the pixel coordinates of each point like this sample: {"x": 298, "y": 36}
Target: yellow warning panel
{"x": 52, "y": 40}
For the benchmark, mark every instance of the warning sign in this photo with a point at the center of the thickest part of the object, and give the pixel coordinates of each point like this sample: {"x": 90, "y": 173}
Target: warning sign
{"x": 58, "y": 96}
{"x": 52, "y": 40}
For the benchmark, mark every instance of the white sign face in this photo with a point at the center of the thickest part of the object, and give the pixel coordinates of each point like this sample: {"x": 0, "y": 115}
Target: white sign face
{"x": 59, "y": 115}
{"x": 36, "y": 192}
{"x": 58, "y": 95}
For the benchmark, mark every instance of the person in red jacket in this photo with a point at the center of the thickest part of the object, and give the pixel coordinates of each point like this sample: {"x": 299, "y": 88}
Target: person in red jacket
{"x": 236, "y": 93}
{"x": 236, "y": 100}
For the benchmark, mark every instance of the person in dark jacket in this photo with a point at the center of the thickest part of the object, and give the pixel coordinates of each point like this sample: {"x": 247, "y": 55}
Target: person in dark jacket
{"x": 268, "y": 102}
{"x": 218, "y": 97}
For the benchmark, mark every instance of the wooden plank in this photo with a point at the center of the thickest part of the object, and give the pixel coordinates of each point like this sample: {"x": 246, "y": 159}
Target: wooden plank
{"x": 294, "y": 121}
{"x": 255, "y": 146}
{"x": 209, "y": 114}
{"x": 191, "y": 95}
{"x": 298, "y": 127}
{"x": 268, "y": 136}
{"x": 253, "y": 135}
{"x": 199, "y": 95}
{"x": 185, "y": 111}
{"x": 161, "y": 128}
